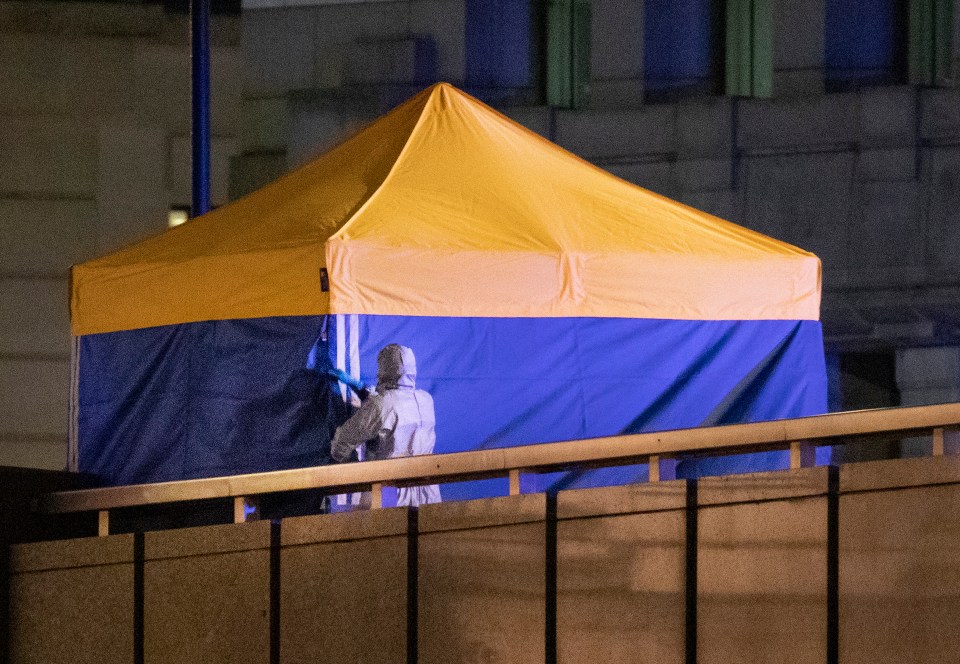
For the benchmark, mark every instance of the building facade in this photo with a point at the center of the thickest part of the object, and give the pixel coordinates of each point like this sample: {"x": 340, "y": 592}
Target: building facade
{"x": 830, "y": 124}
{"x": 95, "y": 145}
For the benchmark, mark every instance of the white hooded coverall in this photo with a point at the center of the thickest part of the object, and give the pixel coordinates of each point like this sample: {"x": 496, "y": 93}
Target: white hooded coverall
{"x": 397, "y": 421}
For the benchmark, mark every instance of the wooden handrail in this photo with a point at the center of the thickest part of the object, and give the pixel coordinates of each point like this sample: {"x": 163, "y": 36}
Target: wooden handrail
{"x": 504, "y": 462}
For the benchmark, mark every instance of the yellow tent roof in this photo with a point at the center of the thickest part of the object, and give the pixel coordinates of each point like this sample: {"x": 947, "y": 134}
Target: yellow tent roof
{"x": 444, "y": 207}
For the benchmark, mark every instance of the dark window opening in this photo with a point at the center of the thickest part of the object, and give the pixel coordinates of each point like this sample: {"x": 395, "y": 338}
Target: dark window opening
{"x": 502, "y": 49}
{"x": 865, "y": 43}
{"x": 867, "y": 380}
{"x": 683, "y": 48}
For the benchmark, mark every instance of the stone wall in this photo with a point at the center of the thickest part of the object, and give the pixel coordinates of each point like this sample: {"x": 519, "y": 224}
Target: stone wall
{"x": 94, "y": 131}
{"x": 800, "y": 565}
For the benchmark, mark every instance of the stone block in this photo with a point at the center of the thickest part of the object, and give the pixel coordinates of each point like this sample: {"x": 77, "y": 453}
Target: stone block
{"x": 481, "y": 582}
{"x": 114, "y": 20}
{"x": 626, "y": 499}
{"x": 887, "y": 230}
{"x": 280, "y": 49}
{"x": 887, "y": 165}
{"x": 887, "y": 116}
{"x": 621, "y": 573}
{"x": 704, "y": 128}
{"x": 781, "y": 123}
{"x": 263, "y": 4}
{"x": 900, "y": 473}
{"x": 721, "y": 203}
{"x": 342, "y": 22}
{"x": 898, "y": 567}
{"x": 132, "y": 197}
{"x": 180, "y": 169}
{"x": 801, "y": 199}
{"x": 34, "y": 396}
{"x": 344, "y": 581}
{"x": 941, "y": 113}
{"x": 658, "y": 176}
{"x": 702, "y": 174}
{"x": 48, "y": 155}
{"x": 227, "y": 73}
{"x": 943, "y": 221}
{"x": 798, "y": 84}
{"x": 72, "y": 601}
{"x": 444, "y": 22}
{"x": 67, "y": 75}
{"x": 46, "y": 236}
{"x": 252, "y": 170}
{"x": 761, "y": 567}
{"x": 616, "y": 93}
{"x": 534, "y": 118}
{"x": 42, "y": 453}
{"x": 928, "y": 368}
{"x": 163, "y": 86}
{"x": 616, "y": 45}
{"x": 207, "y": 594}
{"x": 930, "y": 396}
{"x": 593, "y": 134}
{"x": 266, "y": 124}
{"x": 393, "y": 60}
{"x": 35, "y": 317}
{"x": 799, "y": 41}
{"x": 314, "y": 131}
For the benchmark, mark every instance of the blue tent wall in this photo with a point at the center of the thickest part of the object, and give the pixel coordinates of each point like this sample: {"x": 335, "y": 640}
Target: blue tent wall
{"x": 204, "y": 399}
{"x": 499, "y": 382}
{"x": 226, "y": 397}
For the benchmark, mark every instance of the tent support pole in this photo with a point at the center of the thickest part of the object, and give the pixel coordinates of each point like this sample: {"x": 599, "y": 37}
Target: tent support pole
{"x": 200, "y": 79}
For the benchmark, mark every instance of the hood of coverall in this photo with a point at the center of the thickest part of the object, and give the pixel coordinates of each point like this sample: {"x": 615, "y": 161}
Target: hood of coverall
{"x": 396, "y": 367}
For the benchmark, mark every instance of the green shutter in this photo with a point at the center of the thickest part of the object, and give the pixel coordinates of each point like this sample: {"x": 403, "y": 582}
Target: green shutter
{"x": 568, "y": 53}
{"x": 749, "y": 56}
{"x": 931, "y": 42}
{"x": 582, "y": 25}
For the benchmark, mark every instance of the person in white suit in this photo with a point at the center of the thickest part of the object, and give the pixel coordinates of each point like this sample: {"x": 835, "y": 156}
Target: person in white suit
{"x": 397, "y": 420}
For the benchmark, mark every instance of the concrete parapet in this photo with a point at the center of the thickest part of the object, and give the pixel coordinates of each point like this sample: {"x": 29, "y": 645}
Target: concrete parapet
{"x": 344, "y": 587}
{"x": 72, "y": 601}
{"x": 762, "y": 567}
{"x": 621, "y": 555}
{"x": 206, "y": 594}
{"x": 481, "y": 580}
{"x": 899, "y": 600}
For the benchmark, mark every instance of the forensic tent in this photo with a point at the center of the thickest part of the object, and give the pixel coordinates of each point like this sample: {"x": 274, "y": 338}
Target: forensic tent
{"x": 545, "y": 300}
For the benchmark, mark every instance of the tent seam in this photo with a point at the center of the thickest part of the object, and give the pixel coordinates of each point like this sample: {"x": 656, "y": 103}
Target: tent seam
{"x": 400, "y": 155}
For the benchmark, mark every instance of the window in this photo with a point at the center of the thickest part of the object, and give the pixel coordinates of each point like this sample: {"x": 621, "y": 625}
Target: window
{"x": 179, "y": 214}
{"x": 708, "y": 46}
{"x": 865, "y": 43}
{"x": 682, "y": 47}
{"x": 500, "y": 44}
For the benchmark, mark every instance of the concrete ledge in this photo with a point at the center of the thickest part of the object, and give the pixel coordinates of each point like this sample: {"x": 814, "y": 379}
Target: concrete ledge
{"x": 628, "y": 499}
{"x": 66, "y": 554}
{"x": 364, "y": 524}
{"x": 754, "y": 487}
{"x": 899, "y": 473}
{"x": 486, "y": 513}
{"x": 205, "y": 540}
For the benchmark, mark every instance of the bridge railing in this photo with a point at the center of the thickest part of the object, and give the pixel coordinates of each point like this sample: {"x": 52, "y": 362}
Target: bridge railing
{"x": 801, "y": 436}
